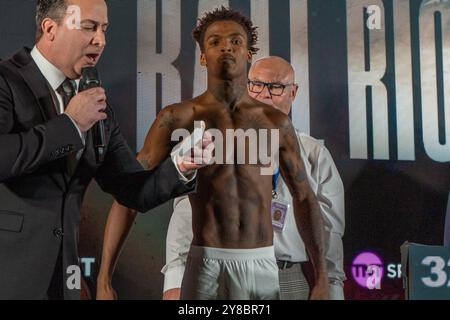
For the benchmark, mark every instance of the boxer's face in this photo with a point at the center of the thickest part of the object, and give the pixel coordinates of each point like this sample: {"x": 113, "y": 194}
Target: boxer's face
{"x": 226, "y": 51}
{"x": 80, "y": 47}
{"x": 274, "y": 72}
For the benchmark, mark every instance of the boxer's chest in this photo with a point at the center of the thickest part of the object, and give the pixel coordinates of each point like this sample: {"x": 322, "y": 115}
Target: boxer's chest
{"x": 237, "y": 118}
{"x": 242, "y": 136}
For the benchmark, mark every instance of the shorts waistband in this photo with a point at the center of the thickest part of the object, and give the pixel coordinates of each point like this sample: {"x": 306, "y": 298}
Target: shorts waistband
{"x": 232, "y": 254}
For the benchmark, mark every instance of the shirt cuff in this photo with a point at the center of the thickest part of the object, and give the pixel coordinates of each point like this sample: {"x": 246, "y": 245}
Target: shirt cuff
{"x": 76, "y": 126}
{"x": 173, "y": 278}
{"x": 184, "y": 177}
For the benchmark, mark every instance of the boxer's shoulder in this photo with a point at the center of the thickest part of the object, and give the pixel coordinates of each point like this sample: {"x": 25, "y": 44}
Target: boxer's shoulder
{"x": 183, "y": 108}
{"x": 280, "y": 120}
{"x": 263, "y": 109}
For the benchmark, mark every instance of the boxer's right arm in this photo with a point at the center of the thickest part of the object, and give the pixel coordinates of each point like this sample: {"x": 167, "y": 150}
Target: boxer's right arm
{"x": 156, "y": 149}
{"x": 118, "y": 226}
{"x": 120, "y": 218}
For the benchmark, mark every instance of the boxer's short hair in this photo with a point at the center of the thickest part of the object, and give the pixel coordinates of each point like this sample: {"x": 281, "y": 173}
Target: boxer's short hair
{"x": 226, "y": 14}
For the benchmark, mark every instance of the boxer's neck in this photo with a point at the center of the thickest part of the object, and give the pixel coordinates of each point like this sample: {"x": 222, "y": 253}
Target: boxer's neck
{"x": 228, "y": 92}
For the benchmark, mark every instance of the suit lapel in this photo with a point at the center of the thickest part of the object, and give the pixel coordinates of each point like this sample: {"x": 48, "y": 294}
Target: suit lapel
{"x": 39, "y": 86}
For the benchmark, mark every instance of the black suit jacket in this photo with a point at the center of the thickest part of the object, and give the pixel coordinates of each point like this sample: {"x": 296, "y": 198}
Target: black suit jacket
{"x": 39, "y": 202}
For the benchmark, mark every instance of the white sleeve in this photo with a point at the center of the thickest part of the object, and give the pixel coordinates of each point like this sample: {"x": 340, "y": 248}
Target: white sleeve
{"x": 178, "y": 242}
{"x": 184, "y": 177}
{"x": 330, "y": 196}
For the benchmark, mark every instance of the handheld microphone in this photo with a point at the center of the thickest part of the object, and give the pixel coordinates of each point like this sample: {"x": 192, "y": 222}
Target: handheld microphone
{"x": 89, "y": 80}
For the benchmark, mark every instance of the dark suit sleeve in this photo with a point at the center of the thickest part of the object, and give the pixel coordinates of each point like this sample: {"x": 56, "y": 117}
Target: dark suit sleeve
{"x": 24, "y": 152}
{"x": 122, "y": 176}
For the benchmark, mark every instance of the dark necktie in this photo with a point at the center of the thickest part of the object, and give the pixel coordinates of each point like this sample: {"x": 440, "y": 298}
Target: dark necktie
{"x": 67, "y": 92}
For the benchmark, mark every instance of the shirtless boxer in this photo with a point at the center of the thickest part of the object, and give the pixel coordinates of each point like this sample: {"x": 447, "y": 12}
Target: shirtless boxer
{"x": 232, "y": 254}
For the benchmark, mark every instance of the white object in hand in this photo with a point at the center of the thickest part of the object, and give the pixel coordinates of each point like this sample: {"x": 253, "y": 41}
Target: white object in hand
{"x": 193, "y": 141}
{"x": 183, "y": 151}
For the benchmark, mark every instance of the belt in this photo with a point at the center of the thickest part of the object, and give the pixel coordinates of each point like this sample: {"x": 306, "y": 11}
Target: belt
{"x": 286, "y": 264}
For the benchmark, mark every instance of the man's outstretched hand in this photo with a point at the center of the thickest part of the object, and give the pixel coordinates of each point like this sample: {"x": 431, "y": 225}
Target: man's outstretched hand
{"x": 195, "y": 151}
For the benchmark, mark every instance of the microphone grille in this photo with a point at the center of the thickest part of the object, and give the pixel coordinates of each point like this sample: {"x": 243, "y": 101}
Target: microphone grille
{"x": 89, "y": 78}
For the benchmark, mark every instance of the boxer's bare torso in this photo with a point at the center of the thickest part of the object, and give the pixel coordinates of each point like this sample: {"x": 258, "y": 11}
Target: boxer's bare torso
{"x": 231, "y": 208}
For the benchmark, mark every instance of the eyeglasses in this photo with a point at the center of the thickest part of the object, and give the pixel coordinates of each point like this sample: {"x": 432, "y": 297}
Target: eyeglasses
{"x": 275, "y": 89}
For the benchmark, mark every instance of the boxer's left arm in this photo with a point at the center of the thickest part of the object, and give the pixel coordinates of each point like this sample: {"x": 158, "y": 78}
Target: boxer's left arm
{"x": 306, "y": 208}
{"x": 331, "y": 197}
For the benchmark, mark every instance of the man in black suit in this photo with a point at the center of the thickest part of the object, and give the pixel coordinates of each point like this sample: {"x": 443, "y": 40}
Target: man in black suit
{"x": 47, "y": 158}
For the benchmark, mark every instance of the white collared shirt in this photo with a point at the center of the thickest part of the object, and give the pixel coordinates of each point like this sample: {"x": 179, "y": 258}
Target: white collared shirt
{"x": 55, "y": 78}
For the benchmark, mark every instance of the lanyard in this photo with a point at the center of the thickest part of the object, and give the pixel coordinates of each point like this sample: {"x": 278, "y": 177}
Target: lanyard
{"x": 275, "y": 179}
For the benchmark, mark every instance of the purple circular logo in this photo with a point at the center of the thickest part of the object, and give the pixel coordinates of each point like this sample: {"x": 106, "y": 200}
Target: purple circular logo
{"x": 367, "y": 270}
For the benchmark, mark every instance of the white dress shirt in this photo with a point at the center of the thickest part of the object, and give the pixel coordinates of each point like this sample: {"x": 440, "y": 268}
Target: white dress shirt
{"x": 55, "y": 79}
{"x": 326, "y": 183}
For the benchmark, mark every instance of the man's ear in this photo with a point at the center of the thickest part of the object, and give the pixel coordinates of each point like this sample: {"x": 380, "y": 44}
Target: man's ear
{"x": 203, "y": 60}
{"x": 49, "y": 28}
{"x": 294, "y": 91}
{"x": 249, "y": 57}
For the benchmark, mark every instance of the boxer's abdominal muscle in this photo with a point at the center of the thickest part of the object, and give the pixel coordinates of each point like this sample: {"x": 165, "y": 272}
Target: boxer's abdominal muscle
{"x": 231, "y": 208}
